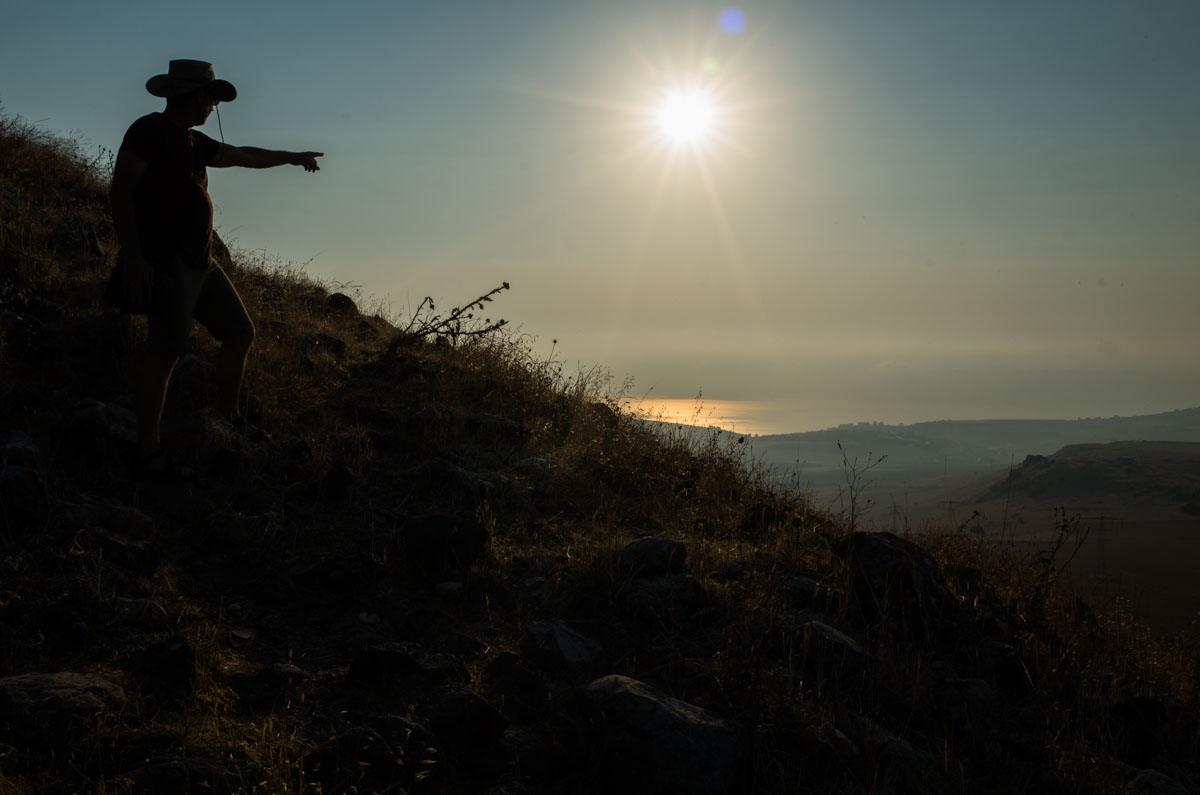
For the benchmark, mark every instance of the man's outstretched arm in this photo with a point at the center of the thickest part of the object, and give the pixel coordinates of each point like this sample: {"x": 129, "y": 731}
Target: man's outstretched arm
{"x": 253, "y": 157}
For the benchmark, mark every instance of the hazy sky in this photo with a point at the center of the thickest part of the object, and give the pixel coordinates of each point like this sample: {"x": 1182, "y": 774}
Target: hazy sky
{"x": 903, "y": 211}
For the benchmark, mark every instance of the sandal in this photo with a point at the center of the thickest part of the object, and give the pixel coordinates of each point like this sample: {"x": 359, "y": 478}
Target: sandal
{"x": 160, "y": 464}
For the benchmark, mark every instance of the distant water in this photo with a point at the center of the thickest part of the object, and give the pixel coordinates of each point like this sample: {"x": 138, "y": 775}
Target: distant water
{"x": 790, "y": 415}
{"x": 757, "y": 417}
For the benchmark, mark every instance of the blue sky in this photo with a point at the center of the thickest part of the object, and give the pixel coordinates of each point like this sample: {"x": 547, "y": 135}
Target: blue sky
{"x": 904, "y": 212}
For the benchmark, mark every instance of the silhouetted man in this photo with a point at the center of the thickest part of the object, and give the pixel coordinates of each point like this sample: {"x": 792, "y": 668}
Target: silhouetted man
{"x": 163, "y": 218}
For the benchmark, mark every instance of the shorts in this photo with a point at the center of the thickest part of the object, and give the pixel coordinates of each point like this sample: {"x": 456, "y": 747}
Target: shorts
{"x": 180, "y": 294}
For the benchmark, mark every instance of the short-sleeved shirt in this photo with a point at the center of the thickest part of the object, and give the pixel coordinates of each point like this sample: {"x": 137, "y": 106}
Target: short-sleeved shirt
{"x": 171, "y": 203}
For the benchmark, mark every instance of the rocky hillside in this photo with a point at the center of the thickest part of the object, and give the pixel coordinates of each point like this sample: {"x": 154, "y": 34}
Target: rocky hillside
{"x": 434, "y": 563}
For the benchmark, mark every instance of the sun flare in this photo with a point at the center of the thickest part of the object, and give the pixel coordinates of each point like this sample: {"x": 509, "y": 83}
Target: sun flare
{"x": 686, "y": 116}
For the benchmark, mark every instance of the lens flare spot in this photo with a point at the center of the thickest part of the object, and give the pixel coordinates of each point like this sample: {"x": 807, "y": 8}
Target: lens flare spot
{"x": 732, "y": 20}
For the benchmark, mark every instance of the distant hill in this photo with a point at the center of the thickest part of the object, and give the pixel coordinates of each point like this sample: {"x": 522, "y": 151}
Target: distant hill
{"x": 960, "y": 446}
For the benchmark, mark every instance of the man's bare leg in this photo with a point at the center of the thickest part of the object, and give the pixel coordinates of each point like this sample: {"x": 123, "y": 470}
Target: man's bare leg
{"x": 151, "y": 395}
{"x": 231, "y": 366}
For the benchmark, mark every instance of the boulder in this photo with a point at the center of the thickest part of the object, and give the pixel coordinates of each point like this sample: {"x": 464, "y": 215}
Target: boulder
{"x": 19, "y": 449}
{"x": 896, "y": 582}
{"x": 558, "y": 648}
{"x": 895, "y": 759}
{"x": 665, "y": 600}
{"x": 24, "y": 505}
{"x": 167, "y": 668}
{"x": 651, "y": 557}
{"x": 357, "y": 760}
{"x": 142, "y": 613}
{"x": 518, "y": 693}
{"x": 216, "y": 770}
{"x": 264, "y": 687}
{"x": 102, "y": 338}
{"x": 466, "y": 724}
{"x": 437, "y": 547}
{"x": 475, "y": 484}
{"x": 653, "y": 743}
{"x": 340, "y": 304}
{"x": 138, "y": 557}
{"x": 832, "y": 653}
{"x": 380, "y": 663}
{"x": 106, "y": 421}
{"x": 97, "y": 512}
{"x": 342, "y": 574}
{"x": 490, "y": 427}
{"x": 48, "y": 705}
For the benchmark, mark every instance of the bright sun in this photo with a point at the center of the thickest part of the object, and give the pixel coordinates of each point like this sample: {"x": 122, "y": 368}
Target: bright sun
{"x": 686, "y": 116}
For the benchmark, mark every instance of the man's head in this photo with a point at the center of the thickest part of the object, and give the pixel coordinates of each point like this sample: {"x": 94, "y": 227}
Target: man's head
{"x": 192, "y": 90}
{"x": 184, "y": 77}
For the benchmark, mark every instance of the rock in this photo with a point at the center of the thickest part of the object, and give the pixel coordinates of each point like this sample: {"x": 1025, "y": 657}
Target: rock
{"x": 106, "y": 421}
{"x": 24, "y": 504}
{"x": 138, "y": 557}
{"x": 811, "y": 593}
{"x": 438, "y": 546}
{"x": 167, "y": 668}
{"x": 264, "y": 687}
{"x": 970, "y": 584}
{"x": 338, "y": 484}
{"x": 144, "y": 613}
{"x": 27, "y": 337}
{"x": 335, "y": 346}
{"x": 653, "y": 743}
{"x": 194, "y": 377}
{"x": 102, "y": 338}
{"x": 1153, "y": 782}
{"x": 519, "y": 693}
{"x": 466, "y": 724}
{"x": 341, "y": 304}
{"x": 1003, "y": 668}
{"x": 535, "y": 594}
{"x": 384, "y": 662}
{"x": 537, "y": 468}
{"x": 476, "y": 484}
{"x": 358, "y": 760}
{"x": 650, "y": 557}
{"x": 897, "y": 758}
{"x": 896, "y": 581}
{"x": 95, "y": 512}
{"x": 217, "y": 770}
{"x": 432, "y": 417}
{"x": 603, "y": 414}
{"x": 559, "y": 648}
{"x": 343, "y": 575}
{"x": 183, "y": 501}
{"x": 490, "y": 427}
{"x": 965, "y": 703}
{"x": 832, "y": 653}
{"x": 416, "y": 747}
{"x": 665, "y": 600}
{"x": 47, "y": 706}
{"x": 1142, "y": 727}
{"x": 18, "y": 449}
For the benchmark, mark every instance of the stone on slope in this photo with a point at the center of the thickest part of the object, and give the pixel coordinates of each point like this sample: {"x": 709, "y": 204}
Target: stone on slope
{"x": 896, "y": 582}
{"x": 559, "y": 648}
{"x": 45, "y": 706}
{"x": 653, "y": 743}
{"x": 24, "y": 504}
{"x": 650, "y": 556}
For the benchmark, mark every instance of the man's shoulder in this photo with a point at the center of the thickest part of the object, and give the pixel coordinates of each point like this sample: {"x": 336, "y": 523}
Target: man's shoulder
{"x": 142, "y": 131}
{"x": 149, "y": 121}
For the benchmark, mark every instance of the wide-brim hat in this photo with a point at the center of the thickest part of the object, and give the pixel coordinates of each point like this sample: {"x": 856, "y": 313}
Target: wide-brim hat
{"x": 184, "y": 76}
